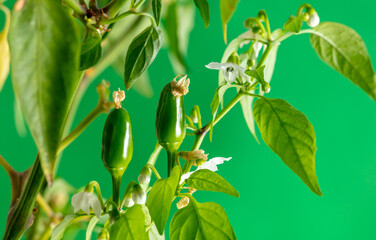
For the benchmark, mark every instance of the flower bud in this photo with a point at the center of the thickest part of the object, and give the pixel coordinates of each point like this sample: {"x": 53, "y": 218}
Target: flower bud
{"x": 103, "y": 235}
{"x": 193, "y": 155}
{"x": 234, "y": 58}
{"x": 265, "y": 87}
{"x": 144, "y": 177}
{"x": 128, "y": 202}
{"x": 183, "y": 203}
{"x": 194, "y": 114}
{"x": 251, "y": 62}
{"x": 314, "y": 19}
{"x": 138, "y": 195}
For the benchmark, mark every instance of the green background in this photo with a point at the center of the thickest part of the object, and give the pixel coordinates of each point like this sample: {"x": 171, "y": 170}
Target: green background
{"x": 273, "y": 203}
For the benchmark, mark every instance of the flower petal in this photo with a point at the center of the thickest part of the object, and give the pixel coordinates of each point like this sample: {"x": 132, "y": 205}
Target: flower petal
{"x": 185, "y": 176}
{"x": 215, "y": 65}
{"x": 84, "y": 201}
{"x": 210, "y": 165}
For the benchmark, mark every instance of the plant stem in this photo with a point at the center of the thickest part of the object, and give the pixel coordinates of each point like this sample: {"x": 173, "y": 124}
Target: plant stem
{"x": 75, "y": 6}
{"x": 80, "y": 127}
{"x": 152, "y": 168}
{"x": 8, "y": 168}
{"x": 154, "y": 155}
{"x": 130, "y": 185}
{"x": 44, "y": 205}
{"x": 171, "y": 159}
{"x": 116, "y": 183}
{"x": 98, "y": 190}
{"x": 19, "y": 218}
{"x": 203, "y": 131}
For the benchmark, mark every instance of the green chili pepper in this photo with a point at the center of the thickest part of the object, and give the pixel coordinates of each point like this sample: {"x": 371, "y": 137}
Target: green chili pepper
{"x": 170, "y": 122}
{"x": 117, "y": 144}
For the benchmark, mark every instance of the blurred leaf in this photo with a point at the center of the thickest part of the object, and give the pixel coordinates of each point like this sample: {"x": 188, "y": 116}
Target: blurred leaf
{"x": 246, "y": 104}
{"x": 227, "y": 8}
{"x": 344, "y": 50}
{"x": 19, "y": 119}
{"x": 58, "y": 231}
{"x": 102, "y": 3}
{"x": 129, "y": 225}
{"x": 157, "y": 7}
{"x": 290, "y": 135}
{"x": 269, "y": 65}
{"x": 143, "y": 85}
{"x": 203, "y": 6}
{"x": 171, "y": 26}
{"x": 201, "y": 221}
{"x": 160, "y": 198}
{"x": 293, "y": 24}
{"x": 4, "y": 48}
{"x": 91, "y": 51}
{"x": 91, "y": 227}
{"x": 141, "y": 53}
{"x": 180, "y": 24}
{"x": 44, "y": 43}
{"x": 207, "y": 180}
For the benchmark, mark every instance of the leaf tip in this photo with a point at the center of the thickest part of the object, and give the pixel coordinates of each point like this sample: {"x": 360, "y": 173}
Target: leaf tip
{"x": 224, "y": 28}
{"x": 49, "y": 179}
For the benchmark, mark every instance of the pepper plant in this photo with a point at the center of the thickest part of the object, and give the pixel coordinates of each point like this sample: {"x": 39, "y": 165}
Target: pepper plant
{"x": 57, "y": 48}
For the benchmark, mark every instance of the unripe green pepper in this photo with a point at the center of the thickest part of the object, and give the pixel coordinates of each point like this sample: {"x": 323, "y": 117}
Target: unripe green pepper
{"x": 170, "y": 122}
{"x": 117, "y": 143}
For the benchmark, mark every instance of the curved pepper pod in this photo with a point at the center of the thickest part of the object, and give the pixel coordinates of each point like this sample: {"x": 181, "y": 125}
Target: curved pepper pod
{"x": 170, "y": 122}
{"x": 117, "y": 142}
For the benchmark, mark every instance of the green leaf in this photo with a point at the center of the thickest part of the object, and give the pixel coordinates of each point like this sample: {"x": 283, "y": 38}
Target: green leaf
{"x": 293, "y": 24}
{"x": 4, "y": 48}
{"x": 19, "y": 119}
{"x": 90, "y": 227}
{"x": 257, "y": 73}
{"x": 290, "y": 135}
{"x": 172, "y": 28}
{"x": 130, "y": 225}
{"x": 160, "y": 198}
{"x": 270, "y": 63}
{"x": 58, "y": 231}
{"x": 246, "y": 104}
{"x": 206, "y": 221}
{"x": 45, "y": 47}
{"x": 344, "y": 50}
{"x": 91, "y": 51}
{"x": 227, "y": 8}
{"x": 141, "y": 53}
{"x": 203, "y": 6}
{"x": 157, "y": 7}
{"x": 207, "y": 180}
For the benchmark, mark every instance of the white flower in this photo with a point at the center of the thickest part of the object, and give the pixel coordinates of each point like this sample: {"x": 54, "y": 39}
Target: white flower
{"x": 231, "y": 71}
{"x": 144, "y": 177}
{"x": 128, "y": 202}
{"x": 138, "y": 195}
{"x": 84, "y": 201}
{"x": 313, "y": 20}
{"x": 210, "y": 165}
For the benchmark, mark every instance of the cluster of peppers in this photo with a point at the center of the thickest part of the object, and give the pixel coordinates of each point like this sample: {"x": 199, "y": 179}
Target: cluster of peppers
{"x": 117, "y": 141}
